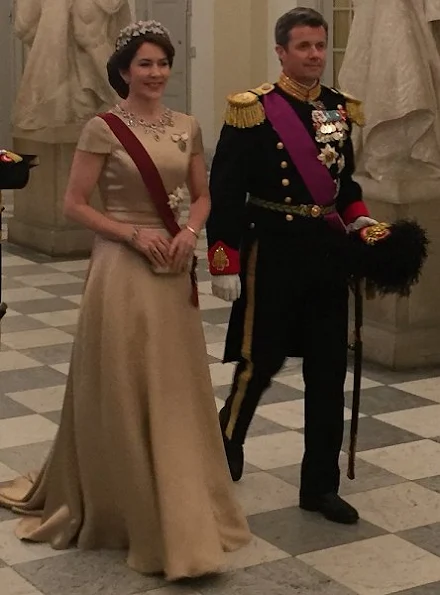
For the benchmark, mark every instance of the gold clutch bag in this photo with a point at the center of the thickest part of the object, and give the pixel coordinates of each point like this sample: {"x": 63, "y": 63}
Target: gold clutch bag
{"x": 166, "y": 270}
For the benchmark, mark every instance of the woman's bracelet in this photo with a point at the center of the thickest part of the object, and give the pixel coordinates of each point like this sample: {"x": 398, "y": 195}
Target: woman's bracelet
{"x": 134, "y": 235}
{"x": 193, "y": 231}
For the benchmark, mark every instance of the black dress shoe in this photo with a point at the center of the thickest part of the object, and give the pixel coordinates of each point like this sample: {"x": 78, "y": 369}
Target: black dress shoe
{"x": 235, "y": 457}
{"x": 234, "y": 452}
{"x": 332, "y": 506}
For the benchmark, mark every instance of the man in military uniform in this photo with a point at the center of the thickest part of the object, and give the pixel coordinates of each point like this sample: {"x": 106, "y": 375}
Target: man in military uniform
{"x": 283, "y": 199}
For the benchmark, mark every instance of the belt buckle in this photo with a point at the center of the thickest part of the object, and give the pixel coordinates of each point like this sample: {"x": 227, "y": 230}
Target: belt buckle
{"x": 316, "y": 211}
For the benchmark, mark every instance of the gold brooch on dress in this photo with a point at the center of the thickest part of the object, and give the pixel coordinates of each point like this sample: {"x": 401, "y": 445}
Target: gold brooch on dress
{"x": 181, "y": 140}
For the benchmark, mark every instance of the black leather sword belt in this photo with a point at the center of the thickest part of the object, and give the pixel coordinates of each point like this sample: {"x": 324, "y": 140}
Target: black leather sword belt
{"x": 301, "y": 210}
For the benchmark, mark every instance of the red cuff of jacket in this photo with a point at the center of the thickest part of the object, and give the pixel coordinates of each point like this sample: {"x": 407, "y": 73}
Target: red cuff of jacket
{"x": 223, "y": 260}
{"x": 355, "y": 210}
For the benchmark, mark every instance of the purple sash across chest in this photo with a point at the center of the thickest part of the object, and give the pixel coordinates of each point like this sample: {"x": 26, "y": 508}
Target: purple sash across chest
{"x": 303, "y": 153}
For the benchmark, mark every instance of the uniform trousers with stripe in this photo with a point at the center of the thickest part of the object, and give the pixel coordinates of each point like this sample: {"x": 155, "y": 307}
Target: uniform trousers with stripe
{"x": 294, "y": 302}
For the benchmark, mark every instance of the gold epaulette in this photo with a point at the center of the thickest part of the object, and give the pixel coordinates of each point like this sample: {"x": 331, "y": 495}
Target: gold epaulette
{"x": 355, "y": 109}
{"x": 245, "y": 110}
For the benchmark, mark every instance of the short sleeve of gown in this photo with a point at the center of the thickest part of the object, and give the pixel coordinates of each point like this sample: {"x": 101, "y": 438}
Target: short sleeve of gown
{"x": 95, "y": 137}
{"x": 197, "y": 140}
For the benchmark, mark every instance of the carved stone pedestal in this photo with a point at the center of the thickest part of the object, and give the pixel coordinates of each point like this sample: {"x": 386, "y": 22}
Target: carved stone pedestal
{"x": 38, "y": 222}
{"x": 403, "y": 333}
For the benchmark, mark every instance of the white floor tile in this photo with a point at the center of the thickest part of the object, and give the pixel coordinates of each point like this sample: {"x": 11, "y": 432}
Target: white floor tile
{"x": 256, "y": 552}
{"x": 13, "y": 360}
{"x": 213, "y": 333}
{"x": 210, "y": 302}
{"x": 216, "y": 349}
{"x": 13, "y": 584}
{"x": 262, "y": 492}
{"x": 204, "y": 287}
{"x": 219, "y": 403}
{"x": 58, "y": 318}
{"x": 14, "y": 261}
{"x": 40, "y": 400}
{"x": 38, "y": 338}
{"x": 290, "y": 414}
{"x": 26, "y": 458}
{"x": 365, "y": 383}
{"x": 75, "y": 299}
{"x": 70, "y": 266}
{"x": 221, "y": 374}
{"x": 63, "y": 368}
{"x": 274, "y": 450}
{"x": 423, "y": 421}
{"x": 296, "y": 381}
{"x": 171, "y": 590}
{"x": 14, "y": 551}
{"x": 398, "y": 507}
{"x": 428, "y": 388}
{"x": 27, "y": 429}
{"x": 6, "y": 474}
{"x": 47, "y": 279}
{"x": 25, "y": 294}
{"x": 377, "y": 566}
{"x": 292, "y": 380}
{"x": 12, "y": 312}
{"x": 412, "y": 460}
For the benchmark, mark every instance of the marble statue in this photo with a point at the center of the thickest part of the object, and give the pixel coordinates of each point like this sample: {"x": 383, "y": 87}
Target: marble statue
{"x": 392, "y": 64}
{"x": 432, "y": 11}
{"x": 68, "y": 43}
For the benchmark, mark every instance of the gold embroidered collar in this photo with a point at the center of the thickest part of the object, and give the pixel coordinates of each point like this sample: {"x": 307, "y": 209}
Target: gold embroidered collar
{"x": 297, "y": 90}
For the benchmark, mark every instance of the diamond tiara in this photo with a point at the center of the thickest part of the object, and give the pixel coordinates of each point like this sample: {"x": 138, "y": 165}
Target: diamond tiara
{"x": 140, "y": 28}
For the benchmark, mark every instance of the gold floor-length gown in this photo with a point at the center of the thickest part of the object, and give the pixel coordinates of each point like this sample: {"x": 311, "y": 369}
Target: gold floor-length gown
{"x": 138, "y": 462}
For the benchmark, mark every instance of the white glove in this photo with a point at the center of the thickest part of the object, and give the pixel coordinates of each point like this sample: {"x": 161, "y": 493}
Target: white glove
{"x": 226, "y": 287}
{"x": 359, "y": 223}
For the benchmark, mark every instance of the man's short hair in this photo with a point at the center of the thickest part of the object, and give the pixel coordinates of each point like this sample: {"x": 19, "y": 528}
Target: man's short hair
{"x": 297, "y": 17}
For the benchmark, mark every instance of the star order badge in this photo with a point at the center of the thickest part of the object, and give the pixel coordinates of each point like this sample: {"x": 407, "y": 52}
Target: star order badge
{"x": 328, "y": 156}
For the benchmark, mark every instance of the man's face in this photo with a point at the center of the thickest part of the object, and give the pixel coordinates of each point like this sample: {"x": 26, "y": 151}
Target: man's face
{"x": 305, "y": 56}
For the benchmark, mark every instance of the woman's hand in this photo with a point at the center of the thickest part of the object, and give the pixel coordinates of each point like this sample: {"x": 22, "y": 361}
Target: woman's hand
{"x": 153, "y": 245}
{"x": 181, "y": 249}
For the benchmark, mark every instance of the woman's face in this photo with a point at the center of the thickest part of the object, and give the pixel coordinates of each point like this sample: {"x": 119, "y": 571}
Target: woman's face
{"x": 149, "y": 72}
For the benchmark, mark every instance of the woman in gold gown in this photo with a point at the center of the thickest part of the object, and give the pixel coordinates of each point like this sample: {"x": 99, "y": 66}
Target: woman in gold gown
{"x": 138, "y": 462}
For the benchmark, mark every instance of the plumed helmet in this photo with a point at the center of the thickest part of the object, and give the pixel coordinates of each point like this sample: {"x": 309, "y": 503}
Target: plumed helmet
{"x": 389, "y": 256}
{"x": 15, "y": 169}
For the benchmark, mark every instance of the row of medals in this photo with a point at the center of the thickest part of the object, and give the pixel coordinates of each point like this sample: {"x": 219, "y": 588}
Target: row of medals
{"x": 329, "y": 126}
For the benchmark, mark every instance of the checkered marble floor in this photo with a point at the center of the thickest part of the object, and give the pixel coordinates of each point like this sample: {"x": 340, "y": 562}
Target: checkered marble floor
{"x": 394, "y": 549}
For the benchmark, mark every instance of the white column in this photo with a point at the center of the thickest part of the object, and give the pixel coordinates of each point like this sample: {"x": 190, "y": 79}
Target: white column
{"x": 132, "y": 4}
{"x": 6, "y": 74}
{"x": 202, "y": 69}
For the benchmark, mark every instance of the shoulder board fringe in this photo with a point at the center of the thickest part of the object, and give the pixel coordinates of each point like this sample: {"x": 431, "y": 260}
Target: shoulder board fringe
{"x": 244, "y": 110}
{"x": 263, "y": 89}
{"x": 355, "y": 110}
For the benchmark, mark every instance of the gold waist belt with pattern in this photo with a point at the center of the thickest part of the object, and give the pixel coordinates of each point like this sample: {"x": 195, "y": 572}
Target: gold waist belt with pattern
{"x": 301, "y": 210}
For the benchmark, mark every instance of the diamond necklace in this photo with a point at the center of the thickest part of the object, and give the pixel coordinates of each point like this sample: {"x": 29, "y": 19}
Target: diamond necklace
{"x": 155, "y": 128}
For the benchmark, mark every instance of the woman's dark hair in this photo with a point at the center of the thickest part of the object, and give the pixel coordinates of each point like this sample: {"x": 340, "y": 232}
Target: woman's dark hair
{"x": 297, "y": 17}
{"x": 122, "y": 58}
